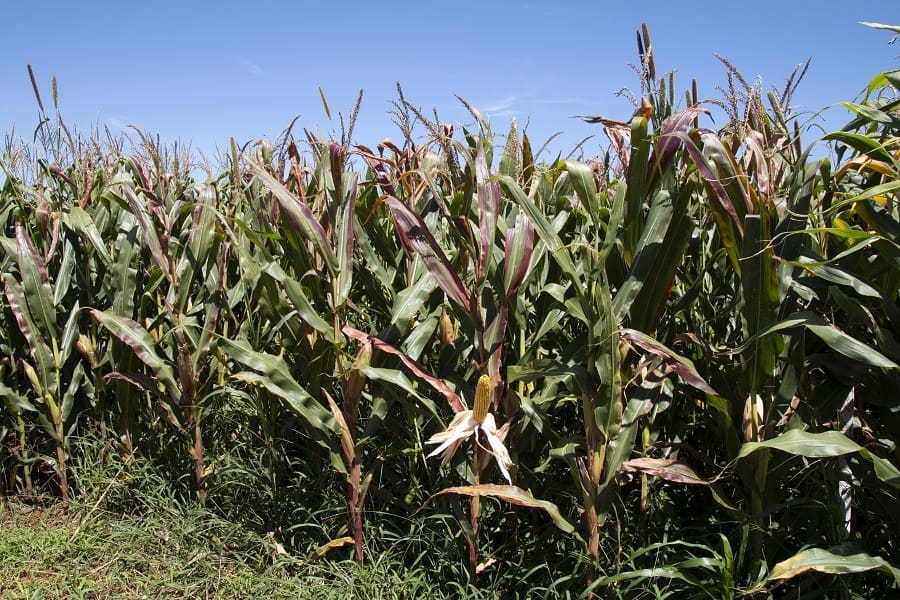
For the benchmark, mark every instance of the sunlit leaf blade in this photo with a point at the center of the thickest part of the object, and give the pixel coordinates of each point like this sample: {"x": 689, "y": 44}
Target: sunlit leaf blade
{"x": 637, "y": 187}
{"x": 544, "y": 229}
{"x": 836, "y": 339}
{"x": 585, "y": 188}
{"x": 517, "y": 254}
{"x": 300, "y": 299}
{"x": 272, "y": 373}
{"x": 668, "y": 143}
{"x": 820, "y": 560}
{"x": 148, "y": 231}
{"x": 36, "y": 285}
{"x": 346, "y": 236}
{"x": 456, "y": 403}
{"x": 488, "y": 209}
{"x": 419, "y": 241}
{"x": 299, "y": 216}
{"x": 728, "y": 223}
{"x": 824, "y": 445}
{"x": 82, "y": 223}
{"x": 133, "y": 335}
{"x": 861, "y": 143}
{"x": 512, "y": 495}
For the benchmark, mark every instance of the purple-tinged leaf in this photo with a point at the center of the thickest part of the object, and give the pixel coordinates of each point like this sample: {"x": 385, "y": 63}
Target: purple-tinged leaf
{"x": 133, "y": 335}
{"x": 682, "y": 121}
{"x": 670, "y": 470}
{"x": 517, "y": 253}
{"x": 151, "y": 237}
{"x": 456, "y": 403}
{"x": 418, "y": 241}
{"x": 35, "y": 283}
{"x": 376, "y": 163}
{"x": 40, "y": 351}
{"x": 493, "y": 339}
{"x": 488, "y": 208}
{"x": 681, "y": 365}
{"x": 299, "y": 216}
{"x": 711, "y": 177}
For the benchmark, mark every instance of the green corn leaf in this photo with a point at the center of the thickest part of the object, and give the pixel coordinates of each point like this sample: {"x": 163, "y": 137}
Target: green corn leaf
{"x": 665, "y": 236}
{"x": 820, "y": 560}
{"x": 517, "y": 254}
{"x": 62, "y": 284}
{"x": 82, "y": 223}
{"x": 824, "y": 445}
{"x": 407, "y": 303}
{"x": 488, "y": 209}
{"x": 298, "y": 297}
{"x": 836, "y": 339}
{"x": 148, "y": 231}
{"x": 299, "y": 216}
{"x": 133, "y": 335}
{"x": 511, "y": 494}
{"x": 272, "y": 373}
{"x": 35, "y": 284}
{"x": 582, "y": 179}
{"x": 862, "y": 144}
{"x": 759, "y": 295}
{"x": 637, "y": 190}
{"x": 345, "y": 242}
{"x": 728, "y": 224}
{"x": 545, "y": 230}
{"x": 38, "y": 348}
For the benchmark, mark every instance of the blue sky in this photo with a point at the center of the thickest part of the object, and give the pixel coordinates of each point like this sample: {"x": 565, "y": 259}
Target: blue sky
{"x": 202, "y": 72}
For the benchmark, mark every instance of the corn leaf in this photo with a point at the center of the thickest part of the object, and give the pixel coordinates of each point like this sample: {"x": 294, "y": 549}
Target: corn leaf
{"x": 299, "y": 216}
{"x": 824, "y": 445}
{"x": 820, "y": 560}
{"x": 511, "y": 494}
{"x": 133, "y": 335}
{"x": 272, "y": 373}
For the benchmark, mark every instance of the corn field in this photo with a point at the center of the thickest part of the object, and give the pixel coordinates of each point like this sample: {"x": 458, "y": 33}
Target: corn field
{"x": 671, "y": 370}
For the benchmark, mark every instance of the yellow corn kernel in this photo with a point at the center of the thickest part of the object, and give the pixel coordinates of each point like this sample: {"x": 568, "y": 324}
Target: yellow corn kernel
{"x": 483, "y": 393}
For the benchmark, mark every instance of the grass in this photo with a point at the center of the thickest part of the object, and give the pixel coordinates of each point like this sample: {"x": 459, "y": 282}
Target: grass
{"x": 83, "y": 553}
{"x": 128, "y": 537}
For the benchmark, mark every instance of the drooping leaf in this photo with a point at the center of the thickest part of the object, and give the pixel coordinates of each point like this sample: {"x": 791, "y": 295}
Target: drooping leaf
{"x": 299, "y": 215}
{"x": 824, "y": 445}
{"x": 418, "y": 241}
{"x": 456, "y": 403}
{"x": 836, "y": 339}
{"x": 545, "y": 230}
{"x": 664, "y": 468}
{"x": 517, "y": 254}
{"x": 512, "y": 495}
{"x": 148, "y": 231}
{"x": 822, "y": 561}
{"x": 684, "y": 367}
{"x": 272, "y": 373}
{"x": 133, "y": 335}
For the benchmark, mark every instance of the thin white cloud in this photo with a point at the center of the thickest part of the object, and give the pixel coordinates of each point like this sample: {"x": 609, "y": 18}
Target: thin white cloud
{"x": 522, "y": 103}
{"x": 252, "y": 68}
